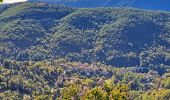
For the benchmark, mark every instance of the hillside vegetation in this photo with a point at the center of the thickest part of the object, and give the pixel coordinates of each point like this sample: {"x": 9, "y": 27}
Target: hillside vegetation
{"x": 50, "y": 52}
{"x": 64, "y": 80}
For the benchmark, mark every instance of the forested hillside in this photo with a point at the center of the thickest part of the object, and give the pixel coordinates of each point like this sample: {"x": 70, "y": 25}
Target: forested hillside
{"x": 50, "y": 52}
{"x": 120, "y": 37}
{"x": 144, "y": 4}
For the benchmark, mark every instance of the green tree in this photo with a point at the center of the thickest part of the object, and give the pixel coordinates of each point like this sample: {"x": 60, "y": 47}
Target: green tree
{"x": 120, "y": 92}
{"x": 96, "y": 93}
{"x": 167, "y": 83}
{"x": 72, "y": 91}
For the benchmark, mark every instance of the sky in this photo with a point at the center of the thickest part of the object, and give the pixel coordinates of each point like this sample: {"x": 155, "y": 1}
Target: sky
{"x": 12, "y": 1}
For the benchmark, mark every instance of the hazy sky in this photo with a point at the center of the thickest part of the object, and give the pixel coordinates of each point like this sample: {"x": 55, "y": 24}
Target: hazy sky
{"x": 12, "y": 1}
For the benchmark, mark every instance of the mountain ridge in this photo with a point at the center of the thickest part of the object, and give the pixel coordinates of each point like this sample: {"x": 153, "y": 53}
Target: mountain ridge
{"x": 141, "y": 4}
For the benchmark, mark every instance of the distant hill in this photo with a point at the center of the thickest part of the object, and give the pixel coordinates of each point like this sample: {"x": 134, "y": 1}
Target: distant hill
{"x": 120, "y": 37}
{"x": 144, "y": 4}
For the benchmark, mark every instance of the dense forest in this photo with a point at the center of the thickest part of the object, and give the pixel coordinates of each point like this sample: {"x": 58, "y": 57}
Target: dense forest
{"x": 61, "y": 79}
{"x": 50, "y": 51}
